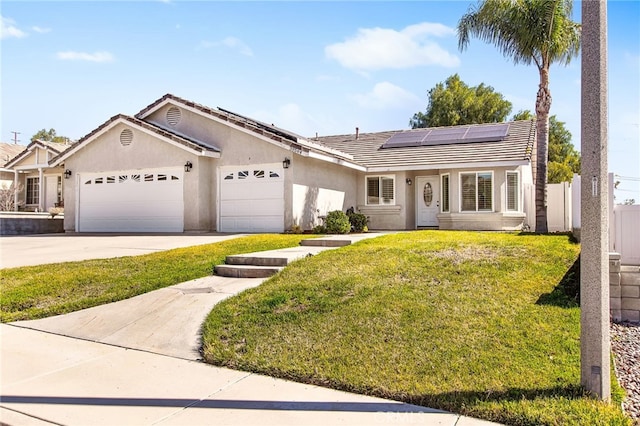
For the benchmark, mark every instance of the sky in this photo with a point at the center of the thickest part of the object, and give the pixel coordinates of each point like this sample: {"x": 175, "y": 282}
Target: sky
{"x": 310, "y": 67}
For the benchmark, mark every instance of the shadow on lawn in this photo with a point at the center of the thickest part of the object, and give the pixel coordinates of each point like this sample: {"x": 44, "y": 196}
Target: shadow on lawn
{"x": 567, "y": 293}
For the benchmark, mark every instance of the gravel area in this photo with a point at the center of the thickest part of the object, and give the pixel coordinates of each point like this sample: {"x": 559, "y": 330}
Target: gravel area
{"x": 625, "y": 344}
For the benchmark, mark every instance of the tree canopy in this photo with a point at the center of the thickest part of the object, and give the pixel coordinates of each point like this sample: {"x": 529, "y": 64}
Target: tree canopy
{"x": 563, "y": 159}
{"x": 454, "y": 102}
{"x": 49, "y": 136}
{"x": 528, "y": 31}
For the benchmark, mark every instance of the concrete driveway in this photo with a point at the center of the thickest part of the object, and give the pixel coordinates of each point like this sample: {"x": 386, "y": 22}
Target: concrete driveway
{"x": 53, "y": 248}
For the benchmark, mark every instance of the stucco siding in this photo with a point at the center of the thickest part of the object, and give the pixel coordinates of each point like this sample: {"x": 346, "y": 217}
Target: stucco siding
{"x": 318, "y": 187}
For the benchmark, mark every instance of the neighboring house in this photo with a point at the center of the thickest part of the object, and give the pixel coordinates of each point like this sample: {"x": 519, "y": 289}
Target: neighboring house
{"x": 7, "y": 152}
{"x": 40, "y": 181}
{"x": 180, "y": 166}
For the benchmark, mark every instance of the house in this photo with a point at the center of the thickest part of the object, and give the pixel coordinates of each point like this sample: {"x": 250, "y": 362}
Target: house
{"x": 39, "y": 180}
{"x": 180, "y": 166}
{"x": 7, "y": 152}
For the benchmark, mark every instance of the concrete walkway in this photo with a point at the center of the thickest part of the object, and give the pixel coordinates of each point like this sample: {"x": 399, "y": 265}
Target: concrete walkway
{"x": 136, "y": 362}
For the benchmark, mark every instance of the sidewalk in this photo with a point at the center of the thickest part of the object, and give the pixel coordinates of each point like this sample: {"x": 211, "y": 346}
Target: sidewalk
{"x": 134, "y": 362}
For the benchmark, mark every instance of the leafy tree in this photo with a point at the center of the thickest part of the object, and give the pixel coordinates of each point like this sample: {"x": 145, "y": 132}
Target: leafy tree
{"x": 49, "y": 136}
{"x": 528, "y": 31}
{"x": 563, "y": 159}
{"x": 453, "y": 102}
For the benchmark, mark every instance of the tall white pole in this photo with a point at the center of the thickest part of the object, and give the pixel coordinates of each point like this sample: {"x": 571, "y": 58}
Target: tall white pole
{"x": 594, "y": 261}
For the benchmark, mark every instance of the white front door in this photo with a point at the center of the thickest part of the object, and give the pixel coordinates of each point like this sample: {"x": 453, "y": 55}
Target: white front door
{"x": 428, "y": 200}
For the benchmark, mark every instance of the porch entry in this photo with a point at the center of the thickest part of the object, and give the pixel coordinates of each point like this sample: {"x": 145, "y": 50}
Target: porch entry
{"x": 427, "y": 200}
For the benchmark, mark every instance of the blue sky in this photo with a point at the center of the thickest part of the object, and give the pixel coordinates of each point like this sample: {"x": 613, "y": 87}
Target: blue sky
{"x": 324, "y": 67}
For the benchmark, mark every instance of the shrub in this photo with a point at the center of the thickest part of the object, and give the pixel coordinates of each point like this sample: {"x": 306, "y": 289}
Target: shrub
{"x": 358, "y": 222}
{"x": 337, "y": 223}
{"x": 319, "y": 229}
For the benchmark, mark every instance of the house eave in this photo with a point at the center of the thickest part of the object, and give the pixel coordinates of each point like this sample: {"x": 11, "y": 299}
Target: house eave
{"x": 338, "y": 161}
{"x": 470, "y": 165}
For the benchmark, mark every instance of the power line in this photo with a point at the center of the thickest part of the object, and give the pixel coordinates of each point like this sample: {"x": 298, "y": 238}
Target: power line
{"x": 635, "y": 179}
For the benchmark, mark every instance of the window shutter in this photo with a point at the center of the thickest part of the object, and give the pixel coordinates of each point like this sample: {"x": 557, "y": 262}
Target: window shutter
{"x": 468, "y": 184}
{"x": 512, "y": 191}
{"x": 445, "y": 193}
{"x": 387, "y": 190}
{"x": 485, "y": 194}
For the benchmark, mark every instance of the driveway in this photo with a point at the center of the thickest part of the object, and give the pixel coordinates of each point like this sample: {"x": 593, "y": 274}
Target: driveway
{"x": 30, "y": 250}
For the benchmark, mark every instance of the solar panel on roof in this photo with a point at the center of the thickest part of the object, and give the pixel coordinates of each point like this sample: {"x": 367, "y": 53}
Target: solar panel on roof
{"x": 448, "y": 135}
{"x": 496, "y": 132}
{"x": 408, "y": 138}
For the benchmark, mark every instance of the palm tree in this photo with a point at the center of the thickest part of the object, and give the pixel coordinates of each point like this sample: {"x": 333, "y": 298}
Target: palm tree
{"x": 538, "y": 31}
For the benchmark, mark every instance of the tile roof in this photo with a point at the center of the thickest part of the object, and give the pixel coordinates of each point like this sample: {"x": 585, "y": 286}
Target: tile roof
{"x": 26, "y": 150}
{"x": 8, "y": 151}
{"x": 517, "y": 146}
{"x": 296, "y": 142}
{"x": 182, "y": 140}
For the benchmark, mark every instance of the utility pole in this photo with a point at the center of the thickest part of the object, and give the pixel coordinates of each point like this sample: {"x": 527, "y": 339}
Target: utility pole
{"x": 594, "y": 259}
{"x": 15, "y": 137}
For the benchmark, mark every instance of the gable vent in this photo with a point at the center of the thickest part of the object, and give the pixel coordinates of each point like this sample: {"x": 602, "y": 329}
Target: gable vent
{"x": 126, "y": 137}
{"x": 173, "y": 116}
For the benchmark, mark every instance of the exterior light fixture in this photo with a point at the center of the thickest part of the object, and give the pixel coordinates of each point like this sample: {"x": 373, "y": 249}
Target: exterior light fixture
{"x": 286, "y": 163}
{"x": 188, "y": 166}
{"x": 409, "y": 182}
{"x": 67, "y": 174}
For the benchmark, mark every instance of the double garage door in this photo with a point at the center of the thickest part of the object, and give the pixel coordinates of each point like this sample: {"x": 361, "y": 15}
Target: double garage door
{"x": 252, "y": 198}
{"x": 131, "y": 201}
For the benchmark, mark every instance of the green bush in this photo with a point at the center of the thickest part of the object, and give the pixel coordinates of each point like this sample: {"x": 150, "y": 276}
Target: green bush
{"x": 358, "y": 222}
{"x": 320, "y": 229}
{"x": 337, "y": 223}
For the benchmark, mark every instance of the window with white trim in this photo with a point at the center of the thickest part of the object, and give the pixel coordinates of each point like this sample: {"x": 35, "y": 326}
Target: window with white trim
{"x": 33, "y": 190}
{"x": 381, "y": 190}
{"x": 476, "y": 192}
{"x": 513, "y": 191}
{"x": 444, "y": 193}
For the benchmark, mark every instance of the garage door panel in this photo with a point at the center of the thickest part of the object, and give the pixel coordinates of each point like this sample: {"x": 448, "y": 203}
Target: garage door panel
{"x": 134, "y": 201}
{"x": 252, "y": 199}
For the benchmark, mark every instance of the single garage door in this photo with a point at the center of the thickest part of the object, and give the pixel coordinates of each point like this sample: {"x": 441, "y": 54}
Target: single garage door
{"x": 252, "y": 198}
{"x": 131, "y": 201}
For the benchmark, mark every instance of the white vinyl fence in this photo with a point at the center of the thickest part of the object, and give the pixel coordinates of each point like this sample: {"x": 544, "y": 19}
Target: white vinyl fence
{"x": 559, "y": 207}
{"x": 624, "y": 224}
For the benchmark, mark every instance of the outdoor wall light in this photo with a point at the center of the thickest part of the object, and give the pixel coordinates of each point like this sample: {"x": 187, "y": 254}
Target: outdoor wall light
{"x": 67, "y": 174}
{"x": 188, "y": 166}
{"x": 286, "y": 163}
{"x": 409, "y": 182}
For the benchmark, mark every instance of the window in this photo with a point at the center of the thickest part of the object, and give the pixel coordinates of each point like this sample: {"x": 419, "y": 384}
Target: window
{"x": 476, "y": 190}
{"x": 445, "y": 193}
{"x": 33, "y": 190}
{"x": 380, "y": 190}
{"x": 513, "y": 192}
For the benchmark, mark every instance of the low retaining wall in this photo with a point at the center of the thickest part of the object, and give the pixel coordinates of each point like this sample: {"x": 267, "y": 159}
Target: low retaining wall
{"x": 30, "y": 223}
{"x": 624, "y": 290}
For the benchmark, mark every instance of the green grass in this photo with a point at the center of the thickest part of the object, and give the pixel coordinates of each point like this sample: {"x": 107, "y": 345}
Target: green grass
{"x": 474, "y": 323}
{"x": 39, "y": 291}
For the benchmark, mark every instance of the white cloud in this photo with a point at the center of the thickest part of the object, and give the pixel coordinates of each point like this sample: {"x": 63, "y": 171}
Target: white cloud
{"x": 83, "y": 56}
{"x": 379, "y": 48}
{"x": 386, "y": 95}
{"x": 8, "y": 29}
{"x": 229, "y": 42}
{"x": 40, "y": 29}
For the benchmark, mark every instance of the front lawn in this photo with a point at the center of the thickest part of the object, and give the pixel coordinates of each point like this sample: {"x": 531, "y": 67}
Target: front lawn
{"x": 38, "y": 291}
{"x": 466, "y": 322}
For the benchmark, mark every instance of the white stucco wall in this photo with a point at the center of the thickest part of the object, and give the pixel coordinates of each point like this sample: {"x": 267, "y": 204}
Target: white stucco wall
{"x": 318, "y": 187}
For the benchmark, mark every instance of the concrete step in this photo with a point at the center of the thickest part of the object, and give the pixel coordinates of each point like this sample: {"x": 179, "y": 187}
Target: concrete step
{"x": 256, "y": 260}
{"x": 245, "y": 271}
{"x": 320, "y": 242}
